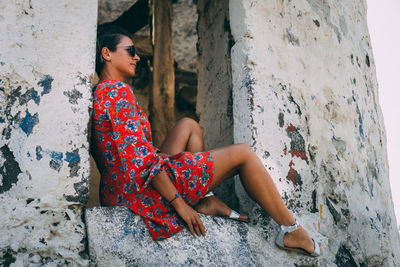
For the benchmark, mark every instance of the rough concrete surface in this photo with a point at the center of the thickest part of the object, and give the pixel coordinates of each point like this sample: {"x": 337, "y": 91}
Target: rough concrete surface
{"x": 118, "y": 237}
{"x": 305, "y": 96}
{"x": 46, "y": 65}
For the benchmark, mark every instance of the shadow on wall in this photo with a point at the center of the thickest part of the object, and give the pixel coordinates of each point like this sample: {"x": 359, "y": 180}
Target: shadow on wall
{"x": 94, "y": 185}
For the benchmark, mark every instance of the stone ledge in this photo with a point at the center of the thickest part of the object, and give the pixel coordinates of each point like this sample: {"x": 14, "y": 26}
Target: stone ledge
{"x": 117, "y": 237}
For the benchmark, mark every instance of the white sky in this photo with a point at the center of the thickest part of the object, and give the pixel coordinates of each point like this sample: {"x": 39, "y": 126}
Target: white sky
{"x": 384, "y": 28}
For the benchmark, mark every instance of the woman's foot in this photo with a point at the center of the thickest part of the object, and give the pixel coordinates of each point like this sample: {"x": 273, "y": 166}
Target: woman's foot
{"x": 211, "y": 205}
{"x": 299, "y": 239}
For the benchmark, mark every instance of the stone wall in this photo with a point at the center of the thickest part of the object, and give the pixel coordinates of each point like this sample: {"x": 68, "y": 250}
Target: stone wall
{"x": 45, "y": 94}
{"x": 214, "y": 98}
{"x": 301, "y": 79}
{"x": 305, "y": 97}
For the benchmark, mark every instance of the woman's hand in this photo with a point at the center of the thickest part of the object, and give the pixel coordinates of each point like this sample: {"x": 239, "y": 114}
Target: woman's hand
{"x": 166, "y": 188}
{"x": 190, "y": 216}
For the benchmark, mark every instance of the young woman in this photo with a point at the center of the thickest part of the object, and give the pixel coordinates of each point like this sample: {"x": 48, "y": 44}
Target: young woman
{"x": 166, "y": 185}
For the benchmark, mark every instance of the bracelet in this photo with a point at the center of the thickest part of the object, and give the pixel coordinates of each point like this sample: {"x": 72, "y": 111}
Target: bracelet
{"x": 176, "y": 196}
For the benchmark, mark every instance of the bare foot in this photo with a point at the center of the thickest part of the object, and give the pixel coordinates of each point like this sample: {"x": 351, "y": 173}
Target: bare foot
{"x": 299, "y": 239}
{"x": 213, "y": 206}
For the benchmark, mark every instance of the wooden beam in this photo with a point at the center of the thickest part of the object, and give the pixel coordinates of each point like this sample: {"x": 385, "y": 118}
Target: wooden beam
{"x": 162, "y": 92}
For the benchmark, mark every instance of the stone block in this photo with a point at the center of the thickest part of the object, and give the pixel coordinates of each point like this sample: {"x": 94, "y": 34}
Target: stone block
{"x": 118, "y": 237}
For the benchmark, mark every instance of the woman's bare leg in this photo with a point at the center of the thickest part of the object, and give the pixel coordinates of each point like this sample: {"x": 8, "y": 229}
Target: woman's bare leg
{"x": 188, "y": 136}
{"x": 185, "y": 136}
{"x": 241, "y": 159}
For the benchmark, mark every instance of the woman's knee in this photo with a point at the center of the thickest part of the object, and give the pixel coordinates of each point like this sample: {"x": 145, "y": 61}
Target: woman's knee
{"x": 246, "y": 148}
{"x": 245, "y": 151}
{"x": 192, "y": 125}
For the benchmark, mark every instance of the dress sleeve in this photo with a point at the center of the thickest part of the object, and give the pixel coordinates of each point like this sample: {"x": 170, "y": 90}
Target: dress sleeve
{"x": 139, "y": 158}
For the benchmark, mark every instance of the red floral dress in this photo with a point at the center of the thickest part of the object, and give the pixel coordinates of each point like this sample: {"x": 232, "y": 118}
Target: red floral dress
{"x": 127, "y": 161}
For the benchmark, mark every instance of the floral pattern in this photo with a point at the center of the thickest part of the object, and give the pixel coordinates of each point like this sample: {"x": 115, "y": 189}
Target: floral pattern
{"x": 127, "y": 161}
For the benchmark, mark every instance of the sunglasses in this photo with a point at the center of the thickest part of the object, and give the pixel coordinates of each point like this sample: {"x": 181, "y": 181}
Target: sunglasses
{"x": 130, "y": 48}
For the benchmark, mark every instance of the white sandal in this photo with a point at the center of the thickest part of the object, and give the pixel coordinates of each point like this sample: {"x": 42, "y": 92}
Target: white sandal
{"x": 288, "y": 229}
{"x": 234, "y": 214}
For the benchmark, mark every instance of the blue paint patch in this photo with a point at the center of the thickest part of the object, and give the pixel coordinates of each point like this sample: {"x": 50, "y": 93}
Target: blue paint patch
{"x": 371, "y": 188}
{"x": 35, "y": 97}
{"x": 127, "y": 230}
{"x": 45, "y": 82}
{"x": 360, "y": 121}
{"x": 56, "y": 161}
{"x": 72, "y": 157}
{"x": 29, "y": 122}
{"x": 379, "y": 217}
{"x": 366, "y": 207}
{"x": 375, "y": 174}
{"x": 360, "y": 128}
{"x": 39, "y": 155}
{"x": 56, "y": 155}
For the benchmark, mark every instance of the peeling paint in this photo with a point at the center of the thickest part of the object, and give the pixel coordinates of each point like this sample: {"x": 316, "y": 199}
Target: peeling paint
{"x": 56, "y": 160}
{"x": 73, "y": 96}
{"x": 9, "y": 170}
{"x": 293, "y": 175}
{"x": 45, "y": 83}
{"x": 29, "y": 122}
{"x": 73, "y": 160}
{"x": 43, "y": 154}
{"x": 297, "y": 146}
{"x": 28, "y": 95}
{"x": 39, "y": 150}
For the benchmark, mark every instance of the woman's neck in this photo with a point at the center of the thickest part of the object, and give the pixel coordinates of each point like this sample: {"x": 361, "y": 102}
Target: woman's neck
{"x": 109, "y": 75}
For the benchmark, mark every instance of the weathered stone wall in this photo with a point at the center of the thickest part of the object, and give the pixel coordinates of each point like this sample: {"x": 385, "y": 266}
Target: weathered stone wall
{"x": 110, "y": 10}
{"x": 306, "y": 98}
{"x": 214, "y": 97}
{"x": 47, "y": 62}
{"x": 184, "y": 34}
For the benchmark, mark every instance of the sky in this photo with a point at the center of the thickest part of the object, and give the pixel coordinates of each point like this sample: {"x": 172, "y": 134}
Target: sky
{"x": 384, "y": 28}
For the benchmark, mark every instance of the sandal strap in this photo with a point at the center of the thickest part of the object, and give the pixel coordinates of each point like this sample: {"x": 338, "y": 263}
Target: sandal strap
{"x": 209, "y": 194}
{"x": 317, "y": 250}
{"x": 234, "y": 215}
{"x": 285, "y": 229}
{"x": 290, "y": 228}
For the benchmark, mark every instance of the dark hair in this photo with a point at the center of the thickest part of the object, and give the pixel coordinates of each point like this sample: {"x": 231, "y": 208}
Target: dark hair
{"x": 108, "y": 35}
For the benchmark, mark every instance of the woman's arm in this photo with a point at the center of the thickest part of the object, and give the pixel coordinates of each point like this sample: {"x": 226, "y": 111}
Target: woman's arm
{"x": 163, "y": 185}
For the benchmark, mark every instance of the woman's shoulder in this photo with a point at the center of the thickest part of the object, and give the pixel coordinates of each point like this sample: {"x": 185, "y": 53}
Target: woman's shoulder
{"x": 106, "y": 87}
{"x": 110, "y": 84}
{"x": 113, "y": 90}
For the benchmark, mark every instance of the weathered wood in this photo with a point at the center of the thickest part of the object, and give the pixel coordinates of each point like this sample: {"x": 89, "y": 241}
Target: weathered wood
{"x": 162, "y": 92}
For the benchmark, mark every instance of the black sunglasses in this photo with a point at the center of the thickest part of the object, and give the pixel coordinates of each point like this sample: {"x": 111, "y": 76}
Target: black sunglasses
{"x": 130, "y": 48}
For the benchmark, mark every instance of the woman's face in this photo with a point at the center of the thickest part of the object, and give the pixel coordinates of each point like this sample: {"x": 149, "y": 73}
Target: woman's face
{"x": 121, "y": 61}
